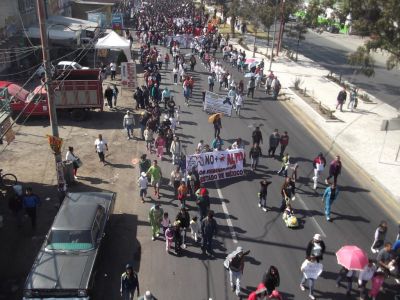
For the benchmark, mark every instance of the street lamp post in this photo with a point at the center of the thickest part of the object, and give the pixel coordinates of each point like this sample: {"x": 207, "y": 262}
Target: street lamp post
{"x": 50, "y": 94}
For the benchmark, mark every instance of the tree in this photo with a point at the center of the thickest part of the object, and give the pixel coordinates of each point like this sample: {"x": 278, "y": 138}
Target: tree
{"x": 363, "y": 60}
{"x": 381, "y": 20}
{"x": 314, "y": 10}
{"x": 300, "y": 30}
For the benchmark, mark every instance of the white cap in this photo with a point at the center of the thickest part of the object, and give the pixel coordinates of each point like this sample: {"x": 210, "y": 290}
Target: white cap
{"x": 317, "y": 237}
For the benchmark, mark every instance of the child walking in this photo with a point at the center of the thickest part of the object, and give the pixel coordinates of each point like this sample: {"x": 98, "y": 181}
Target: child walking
{"x": 165, "y": 222}
{"x": 194, "y": 228}
{"x": 169, "y": 237}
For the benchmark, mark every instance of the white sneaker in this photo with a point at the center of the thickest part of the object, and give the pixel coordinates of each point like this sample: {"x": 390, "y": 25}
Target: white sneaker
{"x": 264, "y": 209}
{"x": 153, "y": 238}
{"x": 293, "y": 198}
{"x": 326, "y": 181}
{"x": 302, "y": 287}
{"x": 184, "y": 246}
{"x": 259, "y": 205}
{"x": 311, "y": 297}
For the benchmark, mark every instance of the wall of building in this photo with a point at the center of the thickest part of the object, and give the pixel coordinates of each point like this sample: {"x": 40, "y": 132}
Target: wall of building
{"x": 59, "y": 8}
{"x": 79, "y": 10}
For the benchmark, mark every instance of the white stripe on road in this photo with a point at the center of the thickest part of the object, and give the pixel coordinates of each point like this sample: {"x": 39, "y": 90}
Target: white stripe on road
{"x": 226, "y": 212}
{"x": 319, "y": 228}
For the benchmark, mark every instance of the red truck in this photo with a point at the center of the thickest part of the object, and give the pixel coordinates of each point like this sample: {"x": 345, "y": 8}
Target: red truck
{"x": 75, "y": 91}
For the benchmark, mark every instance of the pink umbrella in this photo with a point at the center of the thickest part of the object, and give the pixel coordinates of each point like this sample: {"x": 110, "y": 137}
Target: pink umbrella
{"x": 352, "y": 258}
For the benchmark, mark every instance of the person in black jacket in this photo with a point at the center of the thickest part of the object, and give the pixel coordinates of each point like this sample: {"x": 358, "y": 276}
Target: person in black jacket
{"x": 257, "y": 136}
{"x": 129, "y": 283}
{"x": 254, "y": 154}
{"x": 271, "y": 279}
{"x": 316, "y": 247}
{"x": 184, "y": 220}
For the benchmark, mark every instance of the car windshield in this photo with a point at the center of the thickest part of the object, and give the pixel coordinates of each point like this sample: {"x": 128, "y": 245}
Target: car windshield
{"x": 72, "y": 240}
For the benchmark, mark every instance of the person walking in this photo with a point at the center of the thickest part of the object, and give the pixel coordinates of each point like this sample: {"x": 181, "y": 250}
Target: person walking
{"x": 165, "y": 97}
{"x": 235, "y": 264}
{"x": 184, "y": 220}
{"x": 72, "y": 158}
{"x": 255, "y": 154}
{"x": 129, "y": 283}
{"x": 364, "y": 276}
{"x": 209, "y": 229}
{"x": 353, "y": 99}
{"x": 109, "y": 94}
{"x": 149, "y": 138}
{"x": 335, "y": 168}
{"x": 115, "y": 94}
{"x": 155, "y": 177}
{"x": 30, "y": 203}
{"x": 144, "y": 164}
{"x": 284, "y": 141}
{"x": 319, "y": 164}
{"x": 271, "y": 280}
{"x": 284, "y": 165}
{"x": 128, "y": 123}
{"x": 287, "y": 192}
{"x": 341, "y": 99}
{"x": 250, "y": 87}
{"x": 379, "y": 237}
{"x": 143, "y": 183}
{"x": 101, "y": 147}
{"x": 348, "y": 276}
{"x": 175, "y": 179}
{"x": 203, "y": 202}
{"x": 330, "y": 195}
{"x": 316, "y": 247}
{"x": 262, "y": 194}
{"x": 113, "y": 69}
{"x": 211, "y": 82}
{"x": 155, "y": 217}
{"x": 311, "y": 270}
{"x": 217, "y": 125}
{"x": 257, "y": 136}
{"x": 159, "y": 145}
{"x": 274, "y": 140}
{"x": 276, "y": 87}
{"x": 175, "y": 150}
{"x": 238, "y": 103}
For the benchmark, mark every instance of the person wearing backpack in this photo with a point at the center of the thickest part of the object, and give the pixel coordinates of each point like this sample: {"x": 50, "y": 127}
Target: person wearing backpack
{"x": 234, "y": 262}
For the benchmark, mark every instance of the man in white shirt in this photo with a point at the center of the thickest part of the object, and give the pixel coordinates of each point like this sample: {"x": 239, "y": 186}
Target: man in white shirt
{"x": 239, "y": 103}
{"x": 113, "y": 69}
{"x": 101, "y": 147}
{"x": 128, "y": 123}
{"x": 143, "y": 183}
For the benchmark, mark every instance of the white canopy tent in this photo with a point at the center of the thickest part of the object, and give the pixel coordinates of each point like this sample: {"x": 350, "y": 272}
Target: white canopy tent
{"x": 115, "y": 41}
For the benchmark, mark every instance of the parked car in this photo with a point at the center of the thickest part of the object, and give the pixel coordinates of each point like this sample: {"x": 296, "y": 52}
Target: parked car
{"x": 65, "y": 266}
{"x": 68, "y": 65}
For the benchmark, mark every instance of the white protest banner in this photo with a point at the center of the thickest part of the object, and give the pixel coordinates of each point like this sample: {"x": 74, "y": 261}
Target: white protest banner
{"x": 217, "y": 165}
{"x": 312, "y": 270}
{"x": 214, "y": 103}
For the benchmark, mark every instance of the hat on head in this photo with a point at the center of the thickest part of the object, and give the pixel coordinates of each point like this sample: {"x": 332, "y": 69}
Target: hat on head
{"x": 143, "y": 174}
{"x": 317, "y": 237}
{"x": 239, "y": 249}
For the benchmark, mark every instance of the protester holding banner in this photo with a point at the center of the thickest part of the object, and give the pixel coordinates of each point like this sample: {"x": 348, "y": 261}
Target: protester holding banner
{"x": 311, "y": 271}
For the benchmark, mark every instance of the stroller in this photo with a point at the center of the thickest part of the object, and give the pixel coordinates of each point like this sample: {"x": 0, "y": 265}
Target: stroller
{"x": 289, "y": 218}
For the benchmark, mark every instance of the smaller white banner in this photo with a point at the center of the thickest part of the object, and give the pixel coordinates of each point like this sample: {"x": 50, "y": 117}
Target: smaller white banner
{"x": 214, "y": 103}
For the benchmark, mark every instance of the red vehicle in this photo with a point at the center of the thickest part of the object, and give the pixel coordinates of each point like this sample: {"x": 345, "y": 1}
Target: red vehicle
{"x": 75, "y": 91}
{"x": 9, "y": 90}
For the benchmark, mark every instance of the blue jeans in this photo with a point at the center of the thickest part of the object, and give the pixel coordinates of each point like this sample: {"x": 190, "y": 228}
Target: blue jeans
{"x": 328, "y": 204}
{"x": 129, "y": 130}
{"x": 207, "y": 241}
{"x": 310, "y": 284}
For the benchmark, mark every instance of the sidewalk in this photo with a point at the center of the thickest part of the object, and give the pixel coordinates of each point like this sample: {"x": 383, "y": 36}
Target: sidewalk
{"x": 358, "y": 132}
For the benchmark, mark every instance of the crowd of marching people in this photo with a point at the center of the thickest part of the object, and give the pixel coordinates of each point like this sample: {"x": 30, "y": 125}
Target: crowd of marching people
{"x": 159, "y": 120}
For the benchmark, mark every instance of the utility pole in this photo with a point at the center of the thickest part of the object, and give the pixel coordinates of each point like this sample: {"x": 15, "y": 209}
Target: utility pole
{"x": 273, "y": 38}
{"x": 54, "y": 140}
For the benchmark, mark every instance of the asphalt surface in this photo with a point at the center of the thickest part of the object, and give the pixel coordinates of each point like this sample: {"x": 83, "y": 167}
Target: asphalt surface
{"x": 192, "y": 276}
{"x": 196, "y": 276}
{"x": 331, "y": 53}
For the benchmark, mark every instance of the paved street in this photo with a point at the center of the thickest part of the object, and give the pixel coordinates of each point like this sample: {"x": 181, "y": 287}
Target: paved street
{"x": 331, "y": 50}
{"x": 356, "y": 213}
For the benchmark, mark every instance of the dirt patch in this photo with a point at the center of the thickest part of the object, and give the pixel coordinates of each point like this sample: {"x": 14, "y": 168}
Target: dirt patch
{"x": 321, "y": 109}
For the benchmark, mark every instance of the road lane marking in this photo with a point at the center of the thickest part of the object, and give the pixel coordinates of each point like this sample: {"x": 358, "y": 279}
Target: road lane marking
{"x": 319, "y": 228}
{"x": 226, "y": 212}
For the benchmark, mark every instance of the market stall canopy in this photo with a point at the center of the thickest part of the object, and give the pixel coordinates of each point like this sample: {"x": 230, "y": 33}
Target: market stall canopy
{"x": 114, "y": 41}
